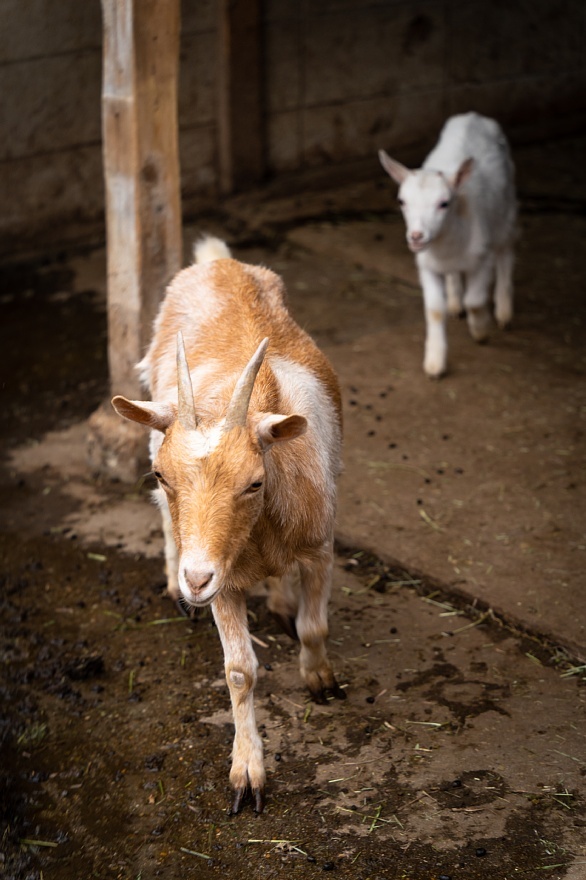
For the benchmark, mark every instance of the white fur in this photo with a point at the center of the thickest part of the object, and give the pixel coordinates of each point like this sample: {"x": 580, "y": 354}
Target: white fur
{"x": 460, "y": 221}
{"x": 209, "y": 248}
{"x": 201, "y": 304}
{"x": 307, "y": 397}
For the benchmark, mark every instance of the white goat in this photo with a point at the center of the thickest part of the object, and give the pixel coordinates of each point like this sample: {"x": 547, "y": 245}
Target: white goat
{"x": 460, "y": 211}
{"x": 246, "y": 451}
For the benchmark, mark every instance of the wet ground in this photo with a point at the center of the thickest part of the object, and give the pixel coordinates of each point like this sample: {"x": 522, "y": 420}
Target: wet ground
{"x": 460, "y": 752}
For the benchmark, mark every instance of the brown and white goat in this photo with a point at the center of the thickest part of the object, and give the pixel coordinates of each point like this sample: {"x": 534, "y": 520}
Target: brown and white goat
{"x": 246, "y": 451}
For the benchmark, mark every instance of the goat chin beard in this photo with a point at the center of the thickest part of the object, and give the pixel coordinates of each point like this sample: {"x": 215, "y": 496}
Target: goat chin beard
{"x": 195, "y": 602}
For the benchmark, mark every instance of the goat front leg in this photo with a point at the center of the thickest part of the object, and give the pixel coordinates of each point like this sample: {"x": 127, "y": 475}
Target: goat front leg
{"x": 436, "y": 343}
{"x": 171, "y": 557}
{"x": 240, "y": 663}
{"x": 312, "y": 625}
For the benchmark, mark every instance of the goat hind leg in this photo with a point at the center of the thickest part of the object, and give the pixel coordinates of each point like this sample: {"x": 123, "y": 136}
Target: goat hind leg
{"x": 503, "y": 293}
{"x": 454, "y": 294}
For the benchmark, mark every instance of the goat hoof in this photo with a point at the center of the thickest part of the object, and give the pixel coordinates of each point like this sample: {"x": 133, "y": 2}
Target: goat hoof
{"x": 287, "y": 624}
{"x": 240, "y": 796}
{"x": 334, "y": 693}
{"x": 337, "y": 692}
{"x": 323, "y": 695}
{"x": 259, "y": 800}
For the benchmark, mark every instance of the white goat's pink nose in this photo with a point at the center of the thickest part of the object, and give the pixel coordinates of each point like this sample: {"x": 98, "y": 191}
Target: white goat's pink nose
{"x": 197, "y": 580}
{"x": 416, "y": 236}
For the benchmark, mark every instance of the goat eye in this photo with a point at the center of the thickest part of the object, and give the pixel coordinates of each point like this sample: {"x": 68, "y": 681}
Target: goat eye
{"x": 401, "y": 202}
{"x": 159, "y": 477}
{"x": 443, "y": 205}
{"x": 254, "y": 487}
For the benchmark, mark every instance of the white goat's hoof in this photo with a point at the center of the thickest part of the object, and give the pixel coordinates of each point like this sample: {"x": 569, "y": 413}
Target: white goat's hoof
{"x": 479, "y": 323}
{"x": 435, "y": 367}
{"x": 505, "y": 320}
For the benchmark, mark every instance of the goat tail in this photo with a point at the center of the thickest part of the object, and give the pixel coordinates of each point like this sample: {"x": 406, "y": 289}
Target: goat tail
{"x": 209, "y": 248}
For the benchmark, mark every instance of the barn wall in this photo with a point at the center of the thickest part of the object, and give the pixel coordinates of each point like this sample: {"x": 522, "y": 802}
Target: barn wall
{"x": 345, "y": 77}
{"x": 342, "y": 78}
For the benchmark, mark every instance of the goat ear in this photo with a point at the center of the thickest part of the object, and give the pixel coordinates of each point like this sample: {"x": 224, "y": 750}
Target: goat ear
{"x": 463, "y": 172}
{"x": 274, "y": 429}
{"x": 154, "y": 415}
{"x": 393, "y": 168}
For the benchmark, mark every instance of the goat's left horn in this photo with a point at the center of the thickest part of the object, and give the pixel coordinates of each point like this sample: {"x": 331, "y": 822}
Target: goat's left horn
{"x": 238, "y": 406}
{"x": 186, "y": 409}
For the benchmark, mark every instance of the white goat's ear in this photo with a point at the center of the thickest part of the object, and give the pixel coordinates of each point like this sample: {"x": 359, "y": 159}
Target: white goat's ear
{"x": 274, "y": 429}
{"x": 463, "y": 172}
{"x": 393, "y": 168}
{"x": 154, "y": 415}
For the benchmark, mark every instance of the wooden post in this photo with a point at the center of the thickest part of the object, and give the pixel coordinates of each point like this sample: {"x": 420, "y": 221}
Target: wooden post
{"x": 143, "y": 212}
{"x": 240, "y": 104}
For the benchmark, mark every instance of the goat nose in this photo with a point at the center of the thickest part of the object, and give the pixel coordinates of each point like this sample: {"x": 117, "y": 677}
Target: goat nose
{"x": 416, "y": 236}
{"x": 197, "y": 580}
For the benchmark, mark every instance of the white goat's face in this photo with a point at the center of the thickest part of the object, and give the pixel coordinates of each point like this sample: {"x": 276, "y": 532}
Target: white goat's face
{"x": 425, "y": 198}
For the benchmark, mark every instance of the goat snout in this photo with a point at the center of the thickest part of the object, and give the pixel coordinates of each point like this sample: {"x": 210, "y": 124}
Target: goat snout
{"x": 196, "y": 580}
{"x": 416, "y": 240}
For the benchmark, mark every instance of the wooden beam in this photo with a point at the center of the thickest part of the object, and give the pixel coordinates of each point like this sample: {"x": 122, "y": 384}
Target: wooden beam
{"x": 141, "y": 165}
{"x": 240, "y": 104}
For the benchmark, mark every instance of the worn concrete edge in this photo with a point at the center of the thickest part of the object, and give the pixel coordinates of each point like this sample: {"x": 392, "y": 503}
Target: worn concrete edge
{"x": 566, "y": 652}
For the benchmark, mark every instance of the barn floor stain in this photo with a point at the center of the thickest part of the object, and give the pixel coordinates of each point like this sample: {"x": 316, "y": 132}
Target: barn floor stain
{"x": 116, "y": 747}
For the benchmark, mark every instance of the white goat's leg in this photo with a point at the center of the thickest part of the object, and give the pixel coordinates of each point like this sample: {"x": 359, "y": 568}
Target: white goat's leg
{"x": 454, "y": 293}
{"x": 312, "y": 625}
{"x": 476, "y": 300}
{"x": 240, "y": 663}
{"x": 503, "y": 294}
{"x": 171, "y": 556}
{"x": 436, "y": 343}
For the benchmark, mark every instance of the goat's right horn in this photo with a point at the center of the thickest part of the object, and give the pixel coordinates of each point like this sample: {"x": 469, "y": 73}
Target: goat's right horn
{"x": 238, "y": 406}
{"x": 186, "y": 409}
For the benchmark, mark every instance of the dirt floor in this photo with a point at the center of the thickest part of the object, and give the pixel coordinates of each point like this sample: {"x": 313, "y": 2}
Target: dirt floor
{"x": 458, "y": 610}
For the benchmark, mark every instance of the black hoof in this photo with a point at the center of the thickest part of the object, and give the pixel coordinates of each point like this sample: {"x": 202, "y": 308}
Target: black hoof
{"x": 335, "y": 692}
{"x": 240, "y": 796}
{"x": 259, "y": 800}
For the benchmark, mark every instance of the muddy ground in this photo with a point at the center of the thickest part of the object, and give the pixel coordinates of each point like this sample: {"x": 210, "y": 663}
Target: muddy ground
{"x": 457, "y": 624}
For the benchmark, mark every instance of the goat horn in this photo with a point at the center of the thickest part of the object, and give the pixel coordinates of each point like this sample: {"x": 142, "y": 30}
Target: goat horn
{"x": 238, "y": 406}
{"x": 186, "y": 411}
